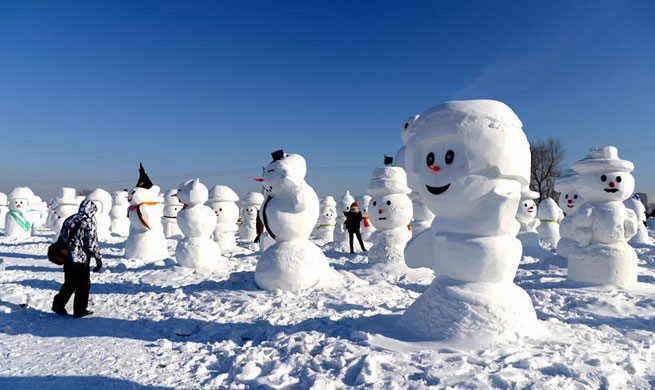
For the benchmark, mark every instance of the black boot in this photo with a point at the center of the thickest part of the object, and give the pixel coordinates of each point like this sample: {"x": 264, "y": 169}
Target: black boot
{"x": 60, "y": 311}
{"x": 82, "y": 314}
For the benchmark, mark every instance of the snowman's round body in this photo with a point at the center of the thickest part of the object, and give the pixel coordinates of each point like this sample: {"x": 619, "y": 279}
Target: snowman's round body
{"x": 103, "y": 202}
{"x": 601, "y": 228}
{"x": 197, "y": 222}
{"x": 146, "y": 240}
{"x": 549, "y": 216}
{"x": 17, "y": 221}
{"x": 120, "y": 223}
{"x": 327, "y": 220}
{"x": 4, "y": 209}
{"x": 289, "y": 214}
{"x": 470, "y": 160}
{"x": 172, "y": 207}
{"x": 641, "y": 238}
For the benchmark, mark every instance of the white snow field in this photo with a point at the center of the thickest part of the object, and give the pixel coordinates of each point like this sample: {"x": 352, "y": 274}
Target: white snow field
{"x": 161, "y": 326}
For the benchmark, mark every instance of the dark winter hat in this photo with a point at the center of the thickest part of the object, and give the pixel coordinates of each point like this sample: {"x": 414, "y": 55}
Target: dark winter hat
{"x": 355, "y": 204}
{"x": 144, "y": 180}
{"x": 278, "y": 155}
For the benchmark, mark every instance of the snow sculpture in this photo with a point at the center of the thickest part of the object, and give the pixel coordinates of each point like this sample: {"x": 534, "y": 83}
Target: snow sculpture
{"x": 391, "y": 211}
{"x": 102, "y": 200}
{"x": 471, "y": 159}
{"x": 340, "y": 232}
{"x": 4, "y": 209}
{"x": 17, "y": 223}
{"x": 602, "y": 226}
{"x": 37, "y": 212}
{"x": 197, "y": 222}
{"x": 634, "y": 203}
{"x": 327, "y": 220}
{"x": 367, "y": 227}
{"x": 569, "y": 199}
{"x": 249, "y": 209}
{"x": 146, "y": 240}
{"x": 526, "y": 215}
{"x": 172, "y": 207}
{"x": 223, "y": 200}
{"x": 289, "y": 213}
{"x": 550, "y": 216}
{"x": 120, "y": 223}
{"x": 66, "y": 204}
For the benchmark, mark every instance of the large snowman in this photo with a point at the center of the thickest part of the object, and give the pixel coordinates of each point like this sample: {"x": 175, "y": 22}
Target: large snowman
{"x": 289, "y": 213}
{"x": 367, "y": 227}
{"x": 569, "y": 199}
{"x": 172, "y": 206}
{"x": 146, "y": 240}
{"x": 602, "y": 226}
{"x": 471, "y": 159}
{"x": 340, "y": 232}
{"x": 550, "y": 216}
{"x": 197, "y": 222}
{"x": 103, "y": 202}
{"x": 634, "y": 203}
{"x": 250, "y": 205}
{"x": 17, "y": 222}
{"x": 4, "y": 209}
{"x": 391, "y": 212}
{"x": 223, "y": 200}
{"x": 527, "y": 217}
{"x": 327, "y": 220}
{"x": 120, "y": 223}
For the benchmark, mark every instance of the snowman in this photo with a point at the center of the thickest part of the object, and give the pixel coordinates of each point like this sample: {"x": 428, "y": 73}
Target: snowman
{"x": 391, "y": 213}
{"x": 4, "y": 209}
{"x": 250, "y": 206}
{"x": 549, "y": 216}
{"x": 471, "y": 160}
{"x": 340, "y": 232}
{"x": 146, "y": 240}
{"x": 569, "y": 199}
{"x": 172, "y": 207}
{"x": 634, "y": 203}
{"x": 327, "y": 220}
{"x": 197, "y": 222}
{"x": 37, "y": 213}
{"x": 367, "y": 227}
{"x": 526, "y": 215}
{"x": 602, "y": 227}
{"x": 102, "y": 200}
{"x": 120, "y": 223}
{"x": 66, "y": 204}
{"x": 17, "y": 222}
{"x": 423, "y": 216}
{"x": 289, "y": 214}
{"x": 223, "y": 200}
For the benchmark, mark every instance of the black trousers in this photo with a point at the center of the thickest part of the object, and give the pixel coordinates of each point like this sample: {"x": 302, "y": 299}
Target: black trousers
{"x": 359, "y": 238}
{"x": 77, "y": 279}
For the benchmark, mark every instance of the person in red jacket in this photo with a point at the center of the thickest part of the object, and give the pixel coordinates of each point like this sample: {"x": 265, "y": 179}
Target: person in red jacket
{"x": 353, "y": 221}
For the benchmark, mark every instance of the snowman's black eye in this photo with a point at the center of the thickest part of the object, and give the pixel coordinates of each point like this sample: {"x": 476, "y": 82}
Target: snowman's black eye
{"x": 575, "y": 196}
{"x": 566, "y": 196}
{"x": 618, "y": 179}
{"x": 133, "y": 192}
{"x": 406, "y": 125}
{"x": 450, "y": 156}
{"x": 525, "y": 205}
{"x": 220, "y": 209}
{"x": 374, "y": 203}
{"x": 603, "y": 178}
{"x": 388, "y": 203}
{"x": 429, "y": 160}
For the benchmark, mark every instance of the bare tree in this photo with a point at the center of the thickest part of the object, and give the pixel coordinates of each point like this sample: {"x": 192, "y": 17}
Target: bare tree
{"x": 547, "y": 158}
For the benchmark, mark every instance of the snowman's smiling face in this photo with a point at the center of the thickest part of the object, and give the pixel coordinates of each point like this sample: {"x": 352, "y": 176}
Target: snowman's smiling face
{"x": 569, "y": 201}
{"x": 20, "y": 204}
{"x": 250, "y": 212}
{"x": 527, "y": 210}
{"x": 390, "y": 211}
{"x": 606, "y": 186}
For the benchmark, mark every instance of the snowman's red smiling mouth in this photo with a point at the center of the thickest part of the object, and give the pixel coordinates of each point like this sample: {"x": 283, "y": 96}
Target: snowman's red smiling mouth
{"x": 437, "y": 190}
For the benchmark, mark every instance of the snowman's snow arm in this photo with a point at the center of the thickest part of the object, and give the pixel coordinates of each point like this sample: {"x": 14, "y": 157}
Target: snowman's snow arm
{"x": 630, "y": 225}
{"x": 418, "y": 252}
{"x": 295, "y": 190}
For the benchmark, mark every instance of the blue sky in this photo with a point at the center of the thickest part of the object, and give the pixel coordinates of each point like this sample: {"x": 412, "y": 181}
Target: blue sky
{"x": 209, "y": 89}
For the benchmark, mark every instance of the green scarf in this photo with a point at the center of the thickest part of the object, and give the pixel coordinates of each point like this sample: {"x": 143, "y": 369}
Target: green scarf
{"x": 21, "y": 220}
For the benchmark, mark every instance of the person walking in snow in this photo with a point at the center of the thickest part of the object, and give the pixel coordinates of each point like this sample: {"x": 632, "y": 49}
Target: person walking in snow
{"x": 353, "y": 221}
{"x": 79, "y": 232}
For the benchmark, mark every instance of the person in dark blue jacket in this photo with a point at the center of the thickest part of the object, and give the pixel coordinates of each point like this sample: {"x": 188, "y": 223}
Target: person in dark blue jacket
{"x": 353, "y": 225}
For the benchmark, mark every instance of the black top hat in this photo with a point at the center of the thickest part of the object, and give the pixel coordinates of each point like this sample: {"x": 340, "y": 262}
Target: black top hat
{"x": 388, "y": 160}
{"x": 144, "y": 180}
{"x": 278, "y": 155}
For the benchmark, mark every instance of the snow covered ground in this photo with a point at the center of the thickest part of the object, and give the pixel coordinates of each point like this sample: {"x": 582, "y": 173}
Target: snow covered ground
{"x": 161, "y": 326}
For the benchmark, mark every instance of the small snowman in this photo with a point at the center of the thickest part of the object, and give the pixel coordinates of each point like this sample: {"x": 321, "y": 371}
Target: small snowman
{"x": 120, "y": 223}
{"x": 569, "y": 200}
{"x": 37, "y": 213}
{"x": 250, "y": 206}
{"x": 197, "y": 222}
{"x": 66, "y": 204}
{"x": 526, "y": 215}
{"x": 602, "y": 227}
{"x": 549, "y": 216}
{"x": 367, "y": 227}
{"x": 289, "y": 214}
{"x": 223, "y": 200}
{"x": 4, "y": 209}
{"x": 17, "y": 223}
{"x": 102, "y": 200}
{"x": 146, "y": 240}
{"x": 471, "y": 160}
{"x": 172, "y": 207}
{"x": 340, "y": 232}
{"x": 391, "y": 213}
{"x": 641, "y": 238}
{"x": 327, "y": 220}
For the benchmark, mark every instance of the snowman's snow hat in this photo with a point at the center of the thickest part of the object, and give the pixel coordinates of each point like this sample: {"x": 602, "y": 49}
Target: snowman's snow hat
{"x": 22, "y": 193}
{"x": 566, "y": 182}
{"x": 328, "y": 201}
{"x": 66, "y": 197}
{"x": 252, "y": 199}
{"x": 601, "y": 160}
{"x": 101, "y": 196}
{"x": 408, "y": 127}
{"x": 3, "y": 199}
{"x": 491, "y": 135}
{"x": 171, "y": 199}
{"x": 222, "y": 194}
{"x": 144, "y": 180}
{"x": 528, "y": 194}
{"x": 387, "y": 181}
{"x": 347, "y": 199}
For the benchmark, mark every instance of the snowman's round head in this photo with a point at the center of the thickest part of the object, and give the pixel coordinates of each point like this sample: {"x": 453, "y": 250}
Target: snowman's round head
{"x": 458, "y": 147}
{"x": 364, "y": 202}
{"x": 140, "y": 195}
{"x": 389, "y": 211}
{"x": 527, "y": 210}
{"x": 346, "y": 201}
{"x": 549, "y": 210}
{"x": 569, "y": 201}
{"x": 120, "y": 198}
{"x": 20, "y": 198}
{"x": 604, "y": 177}
{"x": 285, "y": 173}
{"x": 102, "y": 200}
{"x": 192, "y": 192}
